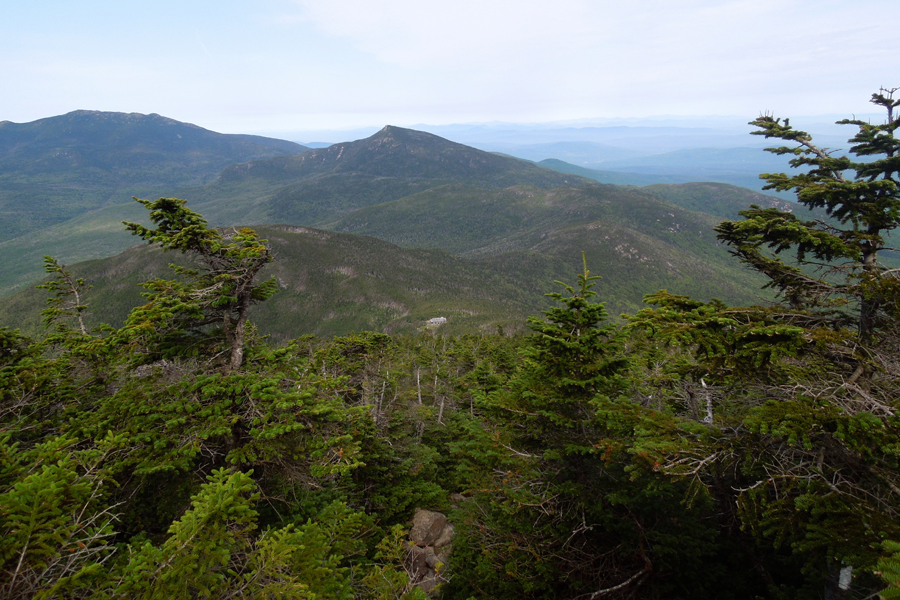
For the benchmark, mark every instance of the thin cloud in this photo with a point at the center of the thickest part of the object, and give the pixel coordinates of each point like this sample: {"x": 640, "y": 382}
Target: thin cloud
{"x": 307, "y": 63}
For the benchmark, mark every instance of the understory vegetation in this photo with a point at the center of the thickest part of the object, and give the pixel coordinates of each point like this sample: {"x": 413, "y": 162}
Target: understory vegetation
{"x": 697, "y": 450}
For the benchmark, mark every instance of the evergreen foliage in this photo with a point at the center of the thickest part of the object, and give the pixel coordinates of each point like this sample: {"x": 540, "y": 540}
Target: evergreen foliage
{"x": 861, "y": 195}
{"x": 702, "y": 450}
{"x": 220, "y": 293}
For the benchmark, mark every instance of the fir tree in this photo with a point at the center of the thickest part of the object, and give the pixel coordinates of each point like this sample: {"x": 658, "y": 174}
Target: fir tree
{"x": 836, "y": 259}
{"x": 221, "y": 291}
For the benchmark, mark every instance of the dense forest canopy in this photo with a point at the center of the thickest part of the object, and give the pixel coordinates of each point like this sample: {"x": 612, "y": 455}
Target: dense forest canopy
{"x": 699, "y": 450}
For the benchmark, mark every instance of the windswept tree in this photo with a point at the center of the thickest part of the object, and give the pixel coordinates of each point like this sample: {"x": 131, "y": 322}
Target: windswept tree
{"x": 802, "y": 453}
{"x": 225, "y": 286}
{"x": 837, "y": 258}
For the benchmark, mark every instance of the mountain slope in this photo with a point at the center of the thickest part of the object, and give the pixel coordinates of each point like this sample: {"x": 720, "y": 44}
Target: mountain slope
{"x": 57, "y": 168}
{"x": 317, "y": 187}
{"x": 474, "y": 222}
{"x": 721, "y": 200}
{"x": 633, "y": 238}
{"x": 330, "y": 283}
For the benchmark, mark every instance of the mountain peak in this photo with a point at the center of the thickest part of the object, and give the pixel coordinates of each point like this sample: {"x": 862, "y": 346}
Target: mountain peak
{"x": 96, "y": 118}
{"x": 408, "y": 135}
{"x": 92, "y": 157}
{"x": 119, "y": 132}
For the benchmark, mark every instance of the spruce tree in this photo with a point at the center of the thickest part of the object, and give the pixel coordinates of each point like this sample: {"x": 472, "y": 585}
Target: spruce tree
{"x": 222, "y": 290}
{"x": 836, "y": 271}
{"x": 802, "y": 452}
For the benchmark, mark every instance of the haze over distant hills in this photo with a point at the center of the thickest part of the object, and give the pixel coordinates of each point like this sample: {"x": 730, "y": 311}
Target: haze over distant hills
{"x": 649, "y": 135}
{"x": 639, "y": 151}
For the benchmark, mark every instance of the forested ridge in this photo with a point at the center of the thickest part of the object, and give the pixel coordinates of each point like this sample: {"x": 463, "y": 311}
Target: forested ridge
{"x": 696, "y": 450}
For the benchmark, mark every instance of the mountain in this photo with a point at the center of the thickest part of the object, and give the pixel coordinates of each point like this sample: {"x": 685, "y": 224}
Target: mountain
{"x": 461, "y": 232}
{"x": 55, "y": 169}
{"x": 317, "y": 187}
{"x": 311, "y": 189}
{"x": 416, "y": 189}
{"x": 330, "y": 284}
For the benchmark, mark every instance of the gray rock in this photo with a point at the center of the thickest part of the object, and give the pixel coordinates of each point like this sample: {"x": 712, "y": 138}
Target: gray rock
{"x": 445, "y": 538}
{"x": 429, "y": 584}
{"x": 427, "y": 527}
{"x": 416, "y": 562}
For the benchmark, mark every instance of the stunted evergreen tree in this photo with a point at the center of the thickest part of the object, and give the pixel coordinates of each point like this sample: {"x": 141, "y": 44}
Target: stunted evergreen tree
{"x": 576, "y": 507}
{"x": 836, "y": 259}
{"x": 803, "y": 450}
{"x": 220, "y": 292}
{"x": 575, "y": 356}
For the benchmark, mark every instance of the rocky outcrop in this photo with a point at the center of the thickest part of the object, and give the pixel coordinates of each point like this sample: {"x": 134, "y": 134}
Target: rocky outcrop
{"x": 430, "y": 542}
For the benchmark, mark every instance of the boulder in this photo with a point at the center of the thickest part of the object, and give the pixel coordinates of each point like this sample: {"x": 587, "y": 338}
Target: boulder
{"x": 427, "y": 527}
{"x": 416, "y": 562}
{"x": 429, "y": 550}
{"x": 429, "y": 584}
{"x": 445, "y": 537}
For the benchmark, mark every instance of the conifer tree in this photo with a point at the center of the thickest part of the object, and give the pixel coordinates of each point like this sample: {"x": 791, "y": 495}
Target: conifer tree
{"x": 836, "y": 259}
{"x": 805, "y": 455}
{"x": 576, "y": 505}
{"x": 222, "y": 290}
{"x": 67, "y": 301}
{"x": 575, "y": 355}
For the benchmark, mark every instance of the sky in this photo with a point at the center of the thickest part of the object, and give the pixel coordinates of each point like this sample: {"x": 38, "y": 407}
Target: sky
{"x": 270, "y": 66}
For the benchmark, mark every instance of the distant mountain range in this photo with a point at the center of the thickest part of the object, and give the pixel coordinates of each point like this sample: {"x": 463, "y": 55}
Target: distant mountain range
{"x": 466, "y": 232}
{"x": 312, "y": 188}
{"x": 58, "y": 168}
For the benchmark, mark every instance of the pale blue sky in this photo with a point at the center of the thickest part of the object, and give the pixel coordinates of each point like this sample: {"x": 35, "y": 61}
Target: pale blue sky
{"x": 287, "y": 65}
